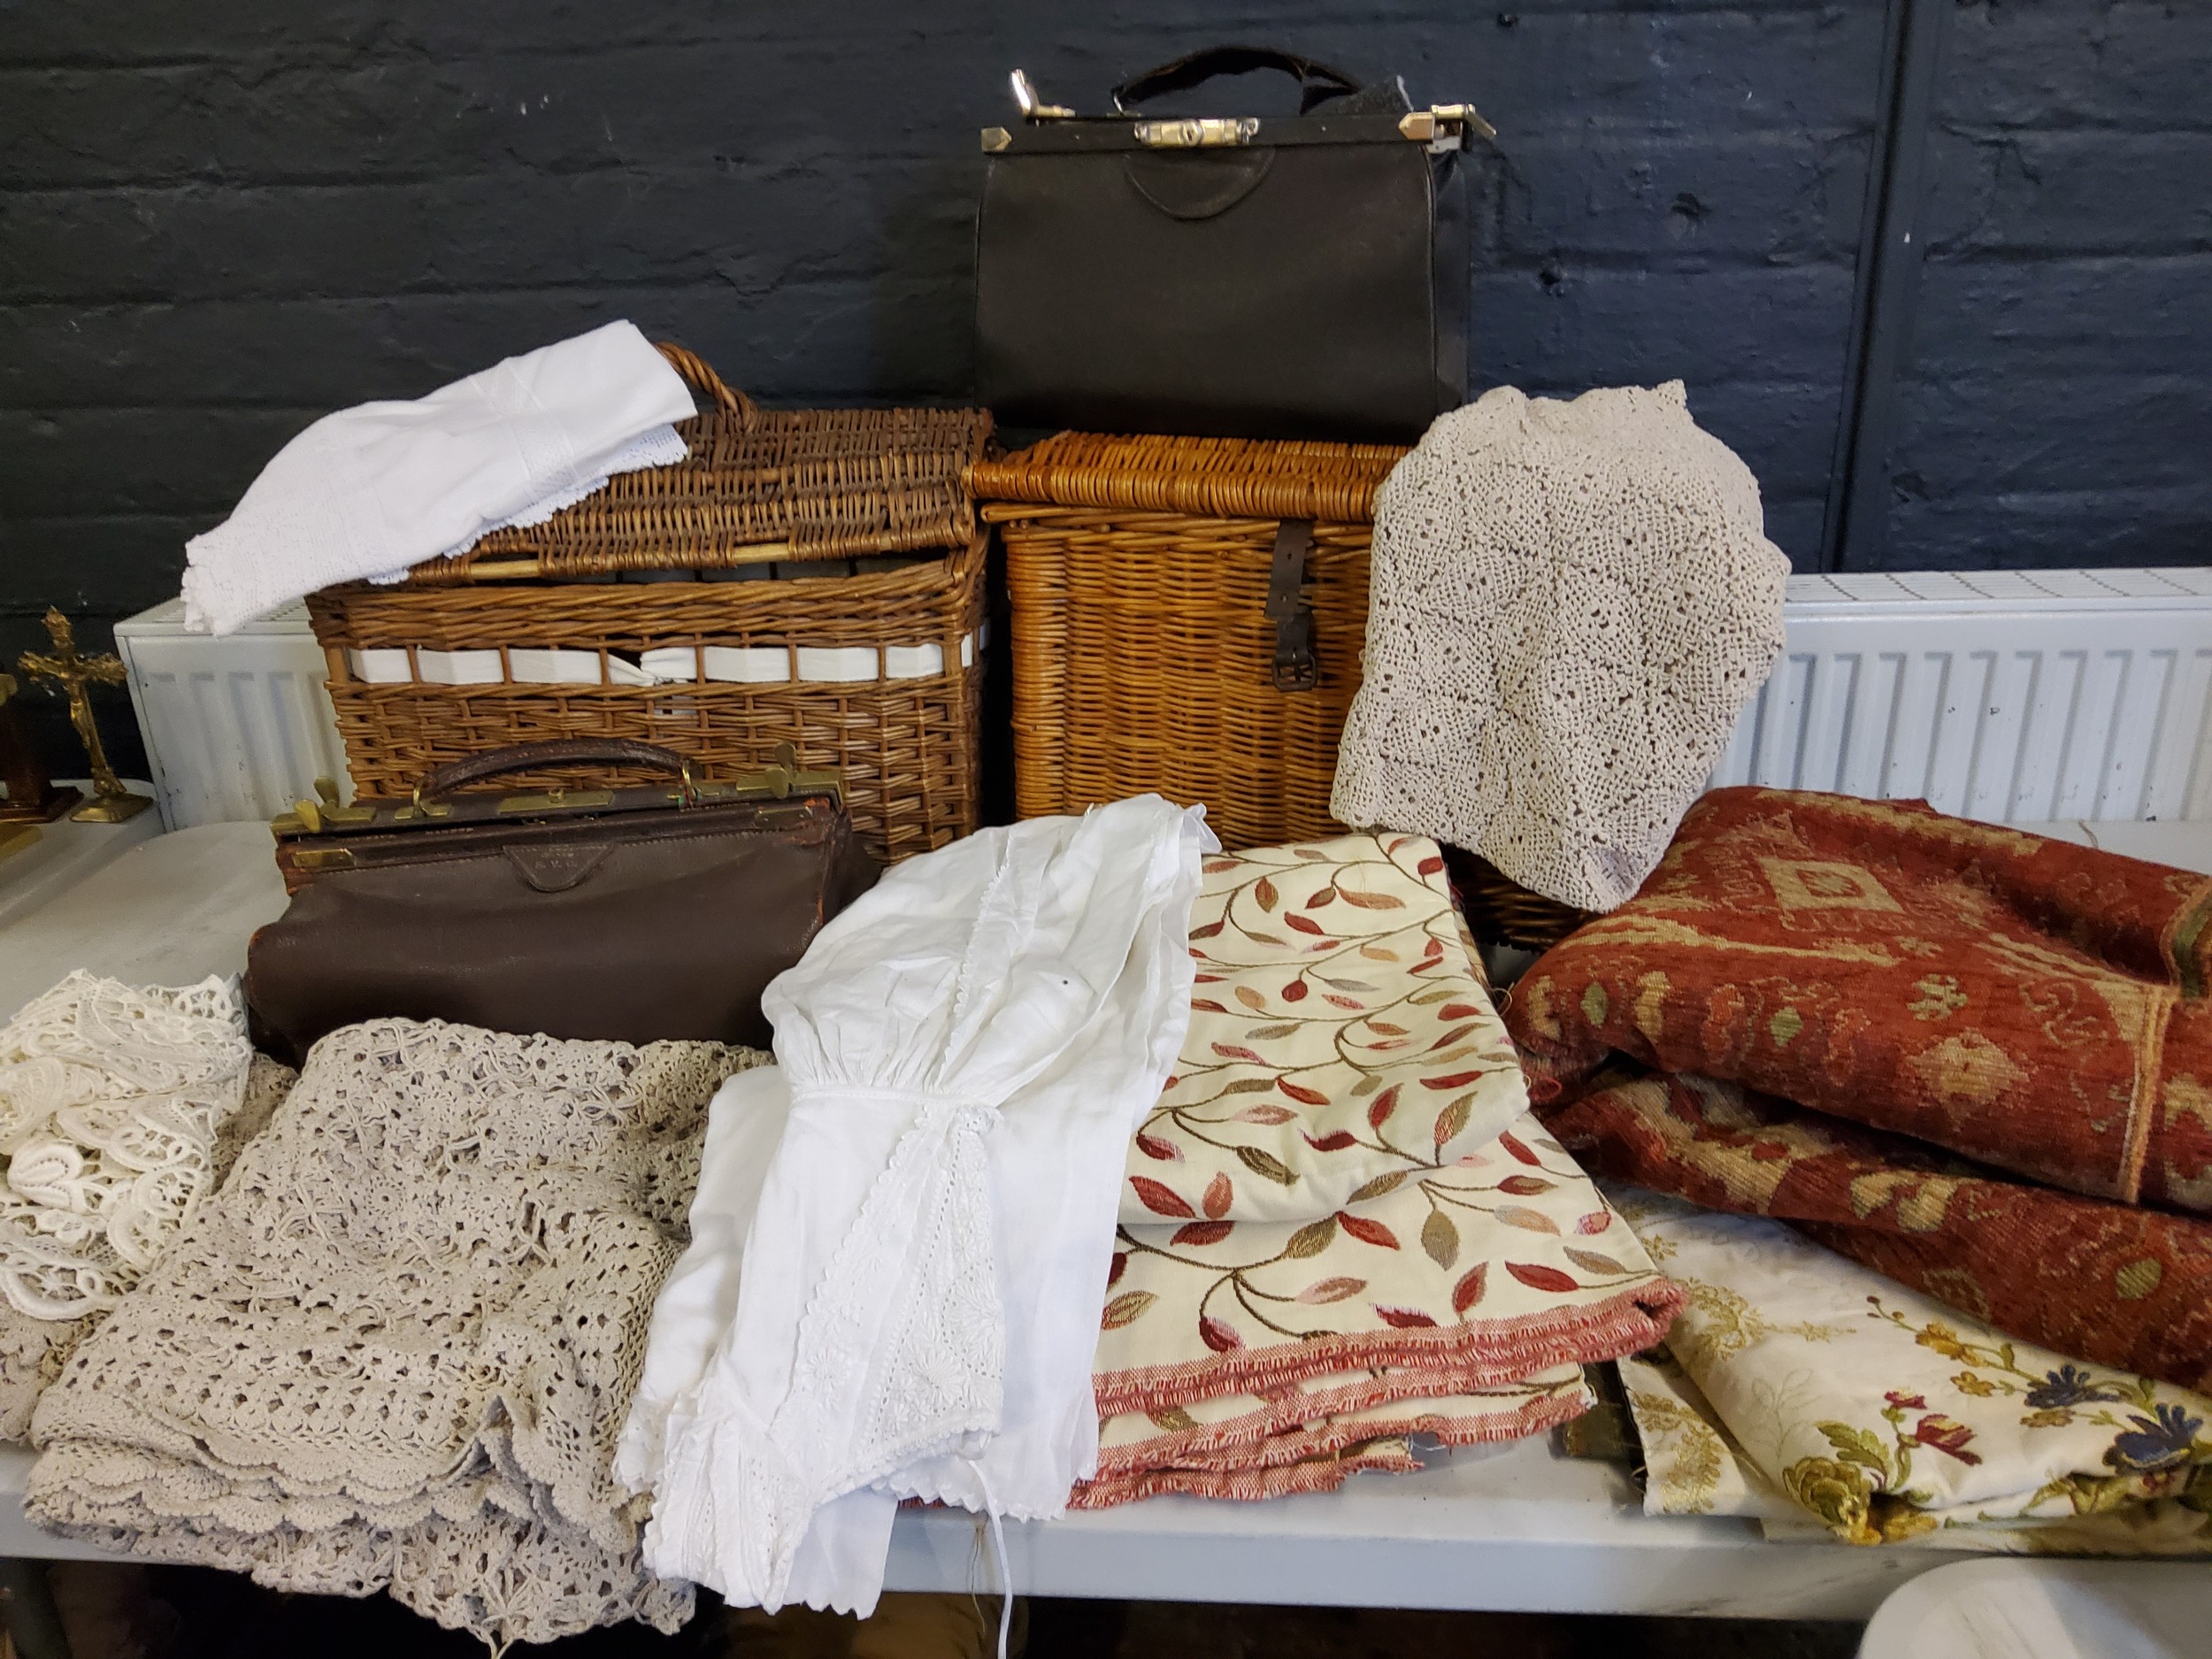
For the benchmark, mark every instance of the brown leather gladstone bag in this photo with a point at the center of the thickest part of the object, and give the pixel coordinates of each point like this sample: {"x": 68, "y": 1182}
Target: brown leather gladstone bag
{"x": 632, "y": 914}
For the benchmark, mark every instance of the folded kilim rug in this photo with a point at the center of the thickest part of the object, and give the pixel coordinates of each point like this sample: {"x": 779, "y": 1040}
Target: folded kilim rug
{"x": 2034, "y": 1005}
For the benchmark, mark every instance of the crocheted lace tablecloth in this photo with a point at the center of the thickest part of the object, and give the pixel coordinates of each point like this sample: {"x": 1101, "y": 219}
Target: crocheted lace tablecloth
{"x": 394, "y": 1351}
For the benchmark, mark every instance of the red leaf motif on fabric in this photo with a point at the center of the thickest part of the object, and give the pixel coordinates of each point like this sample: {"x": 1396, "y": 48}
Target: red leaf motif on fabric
{"x": 1300, "y": 1093}
{"x": 1217, "y": 1336}
{"x": 1449, "y": 1038}
{"x": 1453, "y": 1119}
{"x": 1153, "y": 1146}
{"x": 1459, "y": 1080}
{"x": 1471, "y": 1283}
{"x": 1230, "y": 1051}
{"x": 1527, "y": 1220}
{"x": 1385, "y": 1027}
{"x": 1124, "y": 1309}
{"x": 1304, "y": 924}
{"x": 1371, "y": 901}
{"x": 1404, "y": 1318}
{"x": 1380, "y": 1109}
{"x": 1206, "y": 1005}
{"x": 1120, "y": 1266}
{"x": 1264, "y": 892}
{"x": 1336, "y": 1140}
{"x": 1596, "y": 1221}
{"x": 1295, "y": 991}
{"x": 1459, "y": 1010}
{"x": 1524, "y": 1185}
{"x": 1218, "y": 1195}
{"x": 1366, "y": 1231}
{"x": 1206, "y": 932}
{"x": 1332, "y": 1290}
{"x": 1328, "y": 896}
{"x": 1162, "y": 1200}
{"x": 1429, "y": 866}
{"x": 1342, "y": 1001}
{"x": 1537, "y": 1277}
{"x": 1591, "y": 1261}
{"x": 1220, "y": 866}
{"x": 1519, "y": 1151}
{"x": 1436, "y": 948}
{"x": 1269, "y": 1115}
{"x": 1202, "y": 1233}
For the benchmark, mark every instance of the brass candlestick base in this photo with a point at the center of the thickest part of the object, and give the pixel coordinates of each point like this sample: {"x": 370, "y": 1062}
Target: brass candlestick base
{"x": 110, "y": 803}
{"x": 111, "y": 809}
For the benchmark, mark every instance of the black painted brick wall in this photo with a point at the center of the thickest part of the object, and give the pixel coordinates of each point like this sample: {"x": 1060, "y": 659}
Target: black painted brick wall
{"x": 219, "y": 221}
{"x": 2058, "y": 410}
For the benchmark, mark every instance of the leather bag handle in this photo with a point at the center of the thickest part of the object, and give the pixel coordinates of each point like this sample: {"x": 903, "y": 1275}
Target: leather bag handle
{"x": 560, "y": 751}
{"x": 1317, "y": 82}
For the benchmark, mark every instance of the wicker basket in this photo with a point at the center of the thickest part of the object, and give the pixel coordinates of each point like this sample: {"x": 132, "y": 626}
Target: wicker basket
{"x": 877, "y": 675}
{"x": 1144, "y": 656}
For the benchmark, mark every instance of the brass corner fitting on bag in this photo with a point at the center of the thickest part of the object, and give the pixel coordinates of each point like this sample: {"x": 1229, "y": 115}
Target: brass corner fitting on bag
{"x": 1446, "y": 125}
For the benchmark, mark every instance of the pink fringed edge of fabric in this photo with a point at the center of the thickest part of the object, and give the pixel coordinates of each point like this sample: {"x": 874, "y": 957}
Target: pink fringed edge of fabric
{"x": 1298, "y": 1442}
{"x": 1389, "y": 1456}
{"x": 1315, "y": 1459}
{"x": 1475, "y": 1356}
{"x": 1257, "y": 1431}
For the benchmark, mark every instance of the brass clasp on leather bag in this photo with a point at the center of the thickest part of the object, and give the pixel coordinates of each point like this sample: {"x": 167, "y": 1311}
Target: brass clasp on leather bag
{"x": 1191, "y": 133}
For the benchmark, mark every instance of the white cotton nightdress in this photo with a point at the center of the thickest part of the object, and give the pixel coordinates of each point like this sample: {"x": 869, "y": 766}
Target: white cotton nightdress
{"x": 967, "y": 1051}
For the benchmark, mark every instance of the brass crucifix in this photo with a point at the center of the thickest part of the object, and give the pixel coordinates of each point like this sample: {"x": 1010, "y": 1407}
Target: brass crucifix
{"x": 111, "y": 802}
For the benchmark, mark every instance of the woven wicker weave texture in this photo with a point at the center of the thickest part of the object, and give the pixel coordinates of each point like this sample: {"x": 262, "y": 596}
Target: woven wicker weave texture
{"x": 814, "y": 483}
{"x": 905, "y": 747}
{"x": 1143, "y": 656}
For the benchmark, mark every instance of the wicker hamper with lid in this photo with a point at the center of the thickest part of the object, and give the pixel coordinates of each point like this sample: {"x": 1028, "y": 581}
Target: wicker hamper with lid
{"x": 872, "y": 669}
{"x": 1187, "y": 617}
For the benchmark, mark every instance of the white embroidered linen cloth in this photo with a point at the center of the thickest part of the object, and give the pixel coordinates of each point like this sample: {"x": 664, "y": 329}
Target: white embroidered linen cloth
{"x": 968, "y": 1050}
{"x": 365, "y": 492}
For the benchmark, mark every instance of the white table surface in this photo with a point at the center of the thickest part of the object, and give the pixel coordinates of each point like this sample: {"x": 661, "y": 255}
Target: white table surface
{"x": 62, "y": 854}
{"x": 1511, "y": 1528}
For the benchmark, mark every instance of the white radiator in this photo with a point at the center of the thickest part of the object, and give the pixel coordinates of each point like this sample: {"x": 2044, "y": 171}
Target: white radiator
{"x": 238, "y": 727}
{"x": 2012, "y": 696}
{"x": 2015, "y": 697}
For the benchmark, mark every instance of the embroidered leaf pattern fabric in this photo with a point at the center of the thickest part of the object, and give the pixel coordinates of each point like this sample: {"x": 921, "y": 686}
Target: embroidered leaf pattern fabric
{"x": 1340, "y": 1035}
{"x": 394, "y": 1351}
{"x": 1454, "y": 1300}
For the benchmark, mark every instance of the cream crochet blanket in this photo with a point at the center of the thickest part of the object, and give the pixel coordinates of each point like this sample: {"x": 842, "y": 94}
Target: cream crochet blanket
{"x": 1572, "y": 603}
{"x": 395, "y": 1350}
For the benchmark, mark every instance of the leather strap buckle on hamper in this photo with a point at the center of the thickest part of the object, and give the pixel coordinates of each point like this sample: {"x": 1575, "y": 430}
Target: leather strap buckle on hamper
{"x": 1287, "y": 609}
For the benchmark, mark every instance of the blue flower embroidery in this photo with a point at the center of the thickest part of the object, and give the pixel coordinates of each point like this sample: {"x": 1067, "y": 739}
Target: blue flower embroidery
{"x": 2155, "y": 1444}
{"x": 2068, "y": 1386}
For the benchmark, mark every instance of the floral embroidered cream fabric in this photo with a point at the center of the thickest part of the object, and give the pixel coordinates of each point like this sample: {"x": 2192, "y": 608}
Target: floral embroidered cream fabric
{"x": 394, "y": 1351}
{"x": 1801, "y": 1388}
{"x": 1338, "y": 1033}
